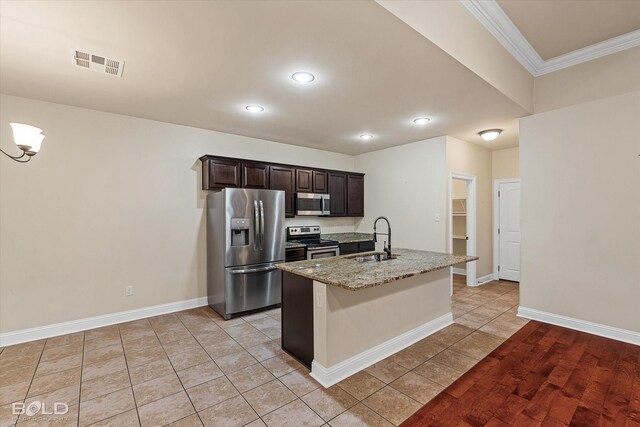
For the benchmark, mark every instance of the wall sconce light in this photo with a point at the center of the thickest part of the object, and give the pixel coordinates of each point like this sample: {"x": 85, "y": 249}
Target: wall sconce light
{"x": 28, "y": 139}
{"x": 490, "y": 134}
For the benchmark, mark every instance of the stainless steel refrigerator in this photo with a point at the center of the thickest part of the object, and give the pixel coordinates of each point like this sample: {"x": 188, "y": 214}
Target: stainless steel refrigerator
{"x": 245, "y": 239}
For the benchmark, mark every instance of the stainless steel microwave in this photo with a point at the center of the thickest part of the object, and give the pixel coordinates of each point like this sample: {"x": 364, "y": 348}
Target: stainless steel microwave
{"x": 313, "y": 204}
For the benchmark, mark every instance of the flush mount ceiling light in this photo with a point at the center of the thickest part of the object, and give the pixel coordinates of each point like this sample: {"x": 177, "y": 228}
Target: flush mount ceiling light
{"x": 303, "y": 77}
{"x": 421, "y": 120}
{"x": 28, "y": 139}
{"x": 366, "y": 137}
{"x": 490, "y": 134}
{"x": 254, "y": 108}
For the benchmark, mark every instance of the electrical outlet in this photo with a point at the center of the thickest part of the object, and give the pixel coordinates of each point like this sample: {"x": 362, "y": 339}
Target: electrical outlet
{"x": 319, "y": 300}
{"x": 128, "y": 291}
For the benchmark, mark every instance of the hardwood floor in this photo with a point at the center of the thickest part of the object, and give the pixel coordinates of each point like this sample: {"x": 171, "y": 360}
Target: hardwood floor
{"x": 544, "y": 375}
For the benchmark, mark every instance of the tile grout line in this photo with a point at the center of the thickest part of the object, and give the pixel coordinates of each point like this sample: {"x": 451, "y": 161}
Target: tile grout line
{"x": 126, "y": 364}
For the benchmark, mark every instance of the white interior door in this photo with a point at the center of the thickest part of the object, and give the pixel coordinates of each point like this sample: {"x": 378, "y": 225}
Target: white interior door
{"x": 509, "y": 231}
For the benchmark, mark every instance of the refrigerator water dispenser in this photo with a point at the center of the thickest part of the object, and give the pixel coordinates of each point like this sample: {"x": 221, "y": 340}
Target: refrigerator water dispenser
{"x": 239, "y": 231}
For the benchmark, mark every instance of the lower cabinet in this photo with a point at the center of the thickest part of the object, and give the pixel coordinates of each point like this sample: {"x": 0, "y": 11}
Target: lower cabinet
{"x": 297, "y": 317}
{"x": 294, "y": 254}
{"x": 357, "y": 247}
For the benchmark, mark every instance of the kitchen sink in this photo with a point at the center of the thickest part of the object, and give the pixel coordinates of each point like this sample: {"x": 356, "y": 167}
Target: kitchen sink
{"x": 374, "y": 257}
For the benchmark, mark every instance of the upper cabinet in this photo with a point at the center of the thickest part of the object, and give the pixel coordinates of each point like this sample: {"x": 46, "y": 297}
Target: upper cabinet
{"x": 220, "y": 173}
{"x": 283, "y": 178}
{"x": 338, "y": 193}
{"x": 255, "y": 175}
{"x": 320, "y": 184}
{"x": 345, "y": 188}
{"x": 311, "y": 181}
{"x": 304, "y": 181}
{"x": 355, "y": 195}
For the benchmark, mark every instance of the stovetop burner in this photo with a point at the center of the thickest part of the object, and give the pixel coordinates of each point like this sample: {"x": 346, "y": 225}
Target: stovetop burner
{"x": 308, "y": 235}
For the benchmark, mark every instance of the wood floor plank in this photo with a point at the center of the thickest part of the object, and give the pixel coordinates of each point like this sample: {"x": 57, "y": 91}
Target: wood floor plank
{"x": 544, "y": 375}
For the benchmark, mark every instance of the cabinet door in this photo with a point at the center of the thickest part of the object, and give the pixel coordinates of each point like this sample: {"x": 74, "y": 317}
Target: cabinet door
{"x": 366, "y": 246}
{"x": 221, "y": 173}
{"x": 304, "y": 181}
{"x": 338, "y": 192}
{"x": 355, "y": 195}
{"x": 282, "y": 178}
{"x": 255, "y": 175}
{"x": 348, "y": 248}
{"x": 319, "y": 182}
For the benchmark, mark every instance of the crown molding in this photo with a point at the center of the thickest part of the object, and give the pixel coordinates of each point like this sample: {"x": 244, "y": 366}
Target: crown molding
{"x": 493, "y": 18}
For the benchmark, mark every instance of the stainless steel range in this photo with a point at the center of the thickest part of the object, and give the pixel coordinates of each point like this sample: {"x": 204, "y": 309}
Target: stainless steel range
{"x": 315, "y": 247}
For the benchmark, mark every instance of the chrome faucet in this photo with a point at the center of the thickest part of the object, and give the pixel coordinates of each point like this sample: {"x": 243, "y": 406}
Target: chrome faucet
{"x": 387, "y": 248}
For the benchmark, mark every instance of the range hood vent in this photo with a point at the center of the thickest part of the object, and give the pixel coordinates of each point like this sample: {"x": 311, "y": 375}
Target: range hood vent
{"x": 97, "y": 63}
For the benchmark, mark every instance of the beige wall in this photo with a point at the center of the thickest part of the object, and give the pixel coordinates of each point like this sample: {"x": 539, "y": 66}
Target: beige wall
{"x": 450, "y": 26}
{"x": 610, "y": 75}
{"x": 470, "y": 159}
{"x": 407, "y": 184}
{"x": 580, "y": 221}
{"x": 359, "y": 320}
{"x": 505, "y": 163}
{"x": 111, "y": 201}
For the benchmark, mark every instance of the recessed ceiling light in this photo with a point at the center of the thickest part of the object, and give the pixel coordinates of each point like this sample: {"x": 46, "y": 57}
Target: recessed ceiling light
{"x": 366, "y": 137}
{"x": 303, "y": 77}
{"x": 490, "y": 134}
{"x": 254, "y": 108}
{"x": 421, "y": 120}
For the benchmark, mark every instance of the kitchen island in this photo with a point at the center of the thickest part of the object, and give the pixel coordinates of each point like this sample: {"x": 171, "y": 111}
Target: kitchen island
{"x": 340, "y": 315}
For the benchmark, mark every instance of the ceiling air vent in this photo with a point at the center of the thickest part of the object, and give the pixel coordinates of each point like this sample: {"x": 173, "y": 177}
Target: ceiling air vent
{"x": 97, "y": 63}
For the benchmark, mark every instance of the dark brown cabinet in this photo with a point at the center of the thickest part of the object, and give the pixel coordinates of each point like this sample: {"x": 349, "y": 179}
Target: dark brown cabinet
{"x": 338, "y": 192}
{"x": 294, "y": 254}
{"x": 320, "y": 182}
{"x": 345, "y": 188}
{"x": 357, "y": 247}
{"x": 255, "y": 175}
{"x": 304, "y": 181}
{"x": 282, "y": 178}
{"x": 355, "y": 195}
{"x": 311, "y": 181}
{"x": 221, "y": 173}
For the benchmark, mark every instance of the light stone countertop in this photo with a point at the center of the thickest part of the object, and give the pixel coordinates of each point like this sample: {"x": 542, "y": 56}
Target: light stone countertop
{"x": 346, "y": 272}
{"x": 349, "y": 237}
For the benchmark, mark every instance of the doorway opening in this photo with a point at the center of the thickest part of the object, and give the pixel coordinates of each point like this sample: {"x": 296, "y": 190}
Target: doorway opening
{"x": 462, "y": 225}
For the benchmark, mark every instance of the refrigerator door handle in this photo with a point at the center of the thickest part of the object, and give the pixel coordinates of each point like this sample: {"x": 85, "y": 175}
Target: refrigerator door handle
{"x": 256, "y": 225}
{"x": 261, "y": 226}
{"x": 253, "y": 270}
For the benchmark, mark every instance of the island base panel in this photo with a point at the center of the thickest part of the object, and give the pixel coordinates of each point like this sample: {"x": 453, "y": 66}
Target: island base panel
{"x": 297, "y": 317}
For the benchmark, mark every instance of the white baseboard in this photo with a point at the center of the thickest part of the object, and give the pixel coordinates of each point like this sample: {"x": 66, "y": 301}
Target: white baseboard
{"x": 459, "y": 271}
{"x": 32, "y": 334}
{"x": 581, "y": 325}
{"x": 484, "y": 279}
{"x": 336, "y": 373}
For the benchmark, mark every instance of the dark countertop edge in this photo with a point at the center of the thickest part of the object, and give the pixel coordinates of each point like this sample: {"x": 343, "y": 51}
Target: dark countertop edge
{"x": 282, "y": 267}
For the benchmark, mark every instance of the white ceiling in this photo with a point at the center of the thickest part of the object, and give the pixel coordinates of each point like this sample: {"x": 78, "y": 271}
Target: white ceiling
{"x": 201, "y": 63}
{"x": 557, "y": 27}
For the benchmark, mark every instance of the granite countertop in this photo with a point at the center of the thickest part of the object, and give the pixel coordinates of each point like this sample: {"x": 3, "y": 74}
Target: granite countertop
{"x": 291, "y": 245}
{"x": 348, "y": 237}
{"x": 345, "y": 272}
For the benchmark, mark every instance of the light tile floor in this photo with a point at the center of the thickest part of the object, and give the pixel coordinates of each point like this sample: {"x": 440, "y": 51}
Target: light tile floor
{"x": 192, "y": 368}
